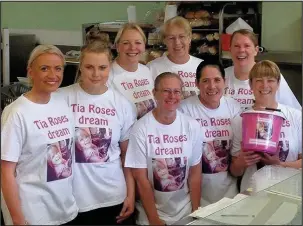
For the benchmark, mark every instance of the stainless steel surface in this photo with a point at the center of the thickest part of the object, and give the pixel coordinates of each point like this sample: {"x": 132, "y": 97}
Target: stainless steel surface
{"x": 261, "y": 208}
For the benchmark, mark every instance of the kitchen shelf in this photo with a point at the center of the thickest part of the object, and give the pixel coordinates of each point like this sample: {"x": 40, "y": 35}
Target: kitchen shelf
{"x": 205, "y": 29}
{"x": 222, "y": 14}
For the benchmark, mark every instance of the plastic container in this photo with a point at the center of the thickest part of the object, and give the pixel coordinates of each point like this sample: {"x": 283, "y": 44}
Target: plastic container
{"x": 261, "y": 130}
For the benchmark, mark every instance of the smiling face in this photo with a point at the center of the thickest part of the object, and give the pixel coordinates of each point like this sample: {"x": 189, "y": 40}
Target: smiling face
{"x": 243, "y": 51}
{"x": 54, "y": 155}
{"x": 62, "y": 144}
{"x": 177, "y": 41}
{"x": 168, "y": 94}
{"x": 211, "y": 86}
{"x": 210, "y": 155}
{"x": 83, "y": 139}
{"x": 264, "y": 89}
{"x": 161, "y": 170}
{"x": 130, "y": 46}
{"x": 46, "y": 72}
{"x": 95, "y": 69}
{"x": 94, "y": 130}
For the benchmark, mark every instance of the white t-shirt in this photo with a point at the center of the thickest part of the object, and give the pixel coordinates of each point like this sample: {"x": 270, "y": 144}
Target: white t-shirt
{"x": 240, "y": 90}
{"x": 39, "y": 138}
{"x": 135, "y": 86}
{"x": 216, "y": 124}
{"x": 290, "y": 143}
{"x": 187, "y": 72}
{"x": 167, "y": 151}
{"x": 102, "y": 121}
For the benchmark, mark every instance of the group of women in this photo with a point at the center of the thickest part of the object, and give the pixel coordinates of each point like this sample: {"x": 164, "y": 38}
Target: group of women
{"x": 130, "y": 143}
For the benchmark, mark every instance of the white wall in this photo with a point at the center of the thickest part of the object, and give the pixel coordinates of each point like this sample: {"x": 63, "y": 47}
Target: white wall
{"x": 282, "y": 26}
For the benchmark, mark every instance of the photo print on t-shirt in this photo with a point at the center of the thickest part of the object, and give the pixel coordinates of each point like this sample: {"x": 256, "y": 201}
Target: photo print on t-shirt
{"x": 91, "y": 144}
{"x": 144, "y": 107}
{"x": 216, "y": 156}
{"x": 186, "y": 94}
{"x": 169, "y": 173}
{"x": 283, "y": 148}
{"x": 59, "y": 160}
{"x": 264, "y": 130}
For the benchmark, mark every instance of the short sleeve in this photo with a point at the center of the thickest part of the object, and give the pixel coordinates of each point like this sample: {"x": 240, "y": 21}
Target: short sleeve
{"x": 136, "y": 155}
{"x": 236, "y": 124}
{"x": 285, "y": 95}
{"x": 129, "y": 118}
{"x": 197, "y": 144}
{"x": 63, "y": 93}
{"x": 152, "y": 69}
{"x": 182, "y": 108}
{"x": 109, "y": 82}
{"x": 235, "y": 107}
{"x": 11, "y": 136}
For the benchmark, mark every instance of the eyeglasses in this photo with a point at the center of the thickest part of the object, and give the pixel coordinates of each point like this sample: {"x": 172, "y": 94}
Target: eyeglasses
{"x": 167, "y": 92}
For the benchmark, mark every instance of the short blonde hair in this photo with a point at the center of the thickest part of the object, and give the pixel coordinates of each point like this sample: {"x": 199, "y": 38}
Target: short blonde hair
{"x": 93, "y": 47}
{"x": 129, "y": 26}
{"x": 248, "y": 33}
{"x": 265, "y": 68}
{"x": 42, "y": 49}
{"x": 176, "y": 21}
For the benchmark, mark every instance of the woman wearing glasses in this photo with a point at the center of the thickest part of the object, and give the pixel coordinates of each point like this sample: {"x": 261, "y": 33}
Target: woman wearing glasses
{"x": 214, "y": 112}
{"x": 164, "y": 152}
{"x": 176, "y": 35}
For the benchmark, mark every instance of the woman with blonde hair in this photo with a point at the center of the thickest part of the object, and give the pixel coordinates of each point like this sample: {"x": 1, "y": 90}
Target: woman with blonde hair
{"x": 265, "y": 79}
{"x": 176, "y": 35}
{"x": 30, "y": 124}
{"x": 244, "y": 48}
{"x": 132, "y": 79}
{"x": 104, "y": 190}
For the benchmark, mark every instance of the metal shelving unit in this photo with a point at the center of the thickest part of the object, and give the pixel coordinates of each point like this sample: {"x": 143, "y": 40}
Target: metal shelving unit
{"x": 225, "y": 13}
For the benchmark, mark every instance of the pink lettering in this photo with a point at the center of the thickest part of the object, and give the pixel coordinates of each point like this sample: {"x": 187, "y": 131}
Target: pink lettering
{"x": 186, "y": 74}
{"x": 242, "y": 91}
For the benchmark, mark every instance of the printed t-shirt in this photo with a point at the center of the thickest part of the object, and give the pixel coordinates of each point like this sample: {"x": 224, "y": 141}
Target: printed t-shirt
{"x": 39, "y": 138}
{"x": 240, "y": 91}
{"x": 101, "y": 122}
{"x": 167, "y": 151}
{"x": 289, "y": 145}
{"x": 187, "y": 72}
{"x": 217, "y": 183}
{"x": 135, "y": 86}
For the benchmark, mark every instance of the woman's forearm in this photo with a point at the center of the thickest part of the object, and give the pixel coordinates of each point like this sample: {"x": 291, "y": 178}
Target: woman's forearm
{"x": 130, "y": 183}
{"x": 11, "y": 196}
{"x": 236, "y": 168}
{"x": 194, "y": 184}
{"x": 148, "y": 201}
{"x": 295, "y": 164}
{"x": 129, "y": 179}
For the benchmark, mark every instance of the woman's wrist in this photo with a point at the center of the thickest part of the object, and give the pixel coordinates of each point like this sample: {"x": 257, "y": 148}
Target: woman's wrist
{"x": 20, "y": 222}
